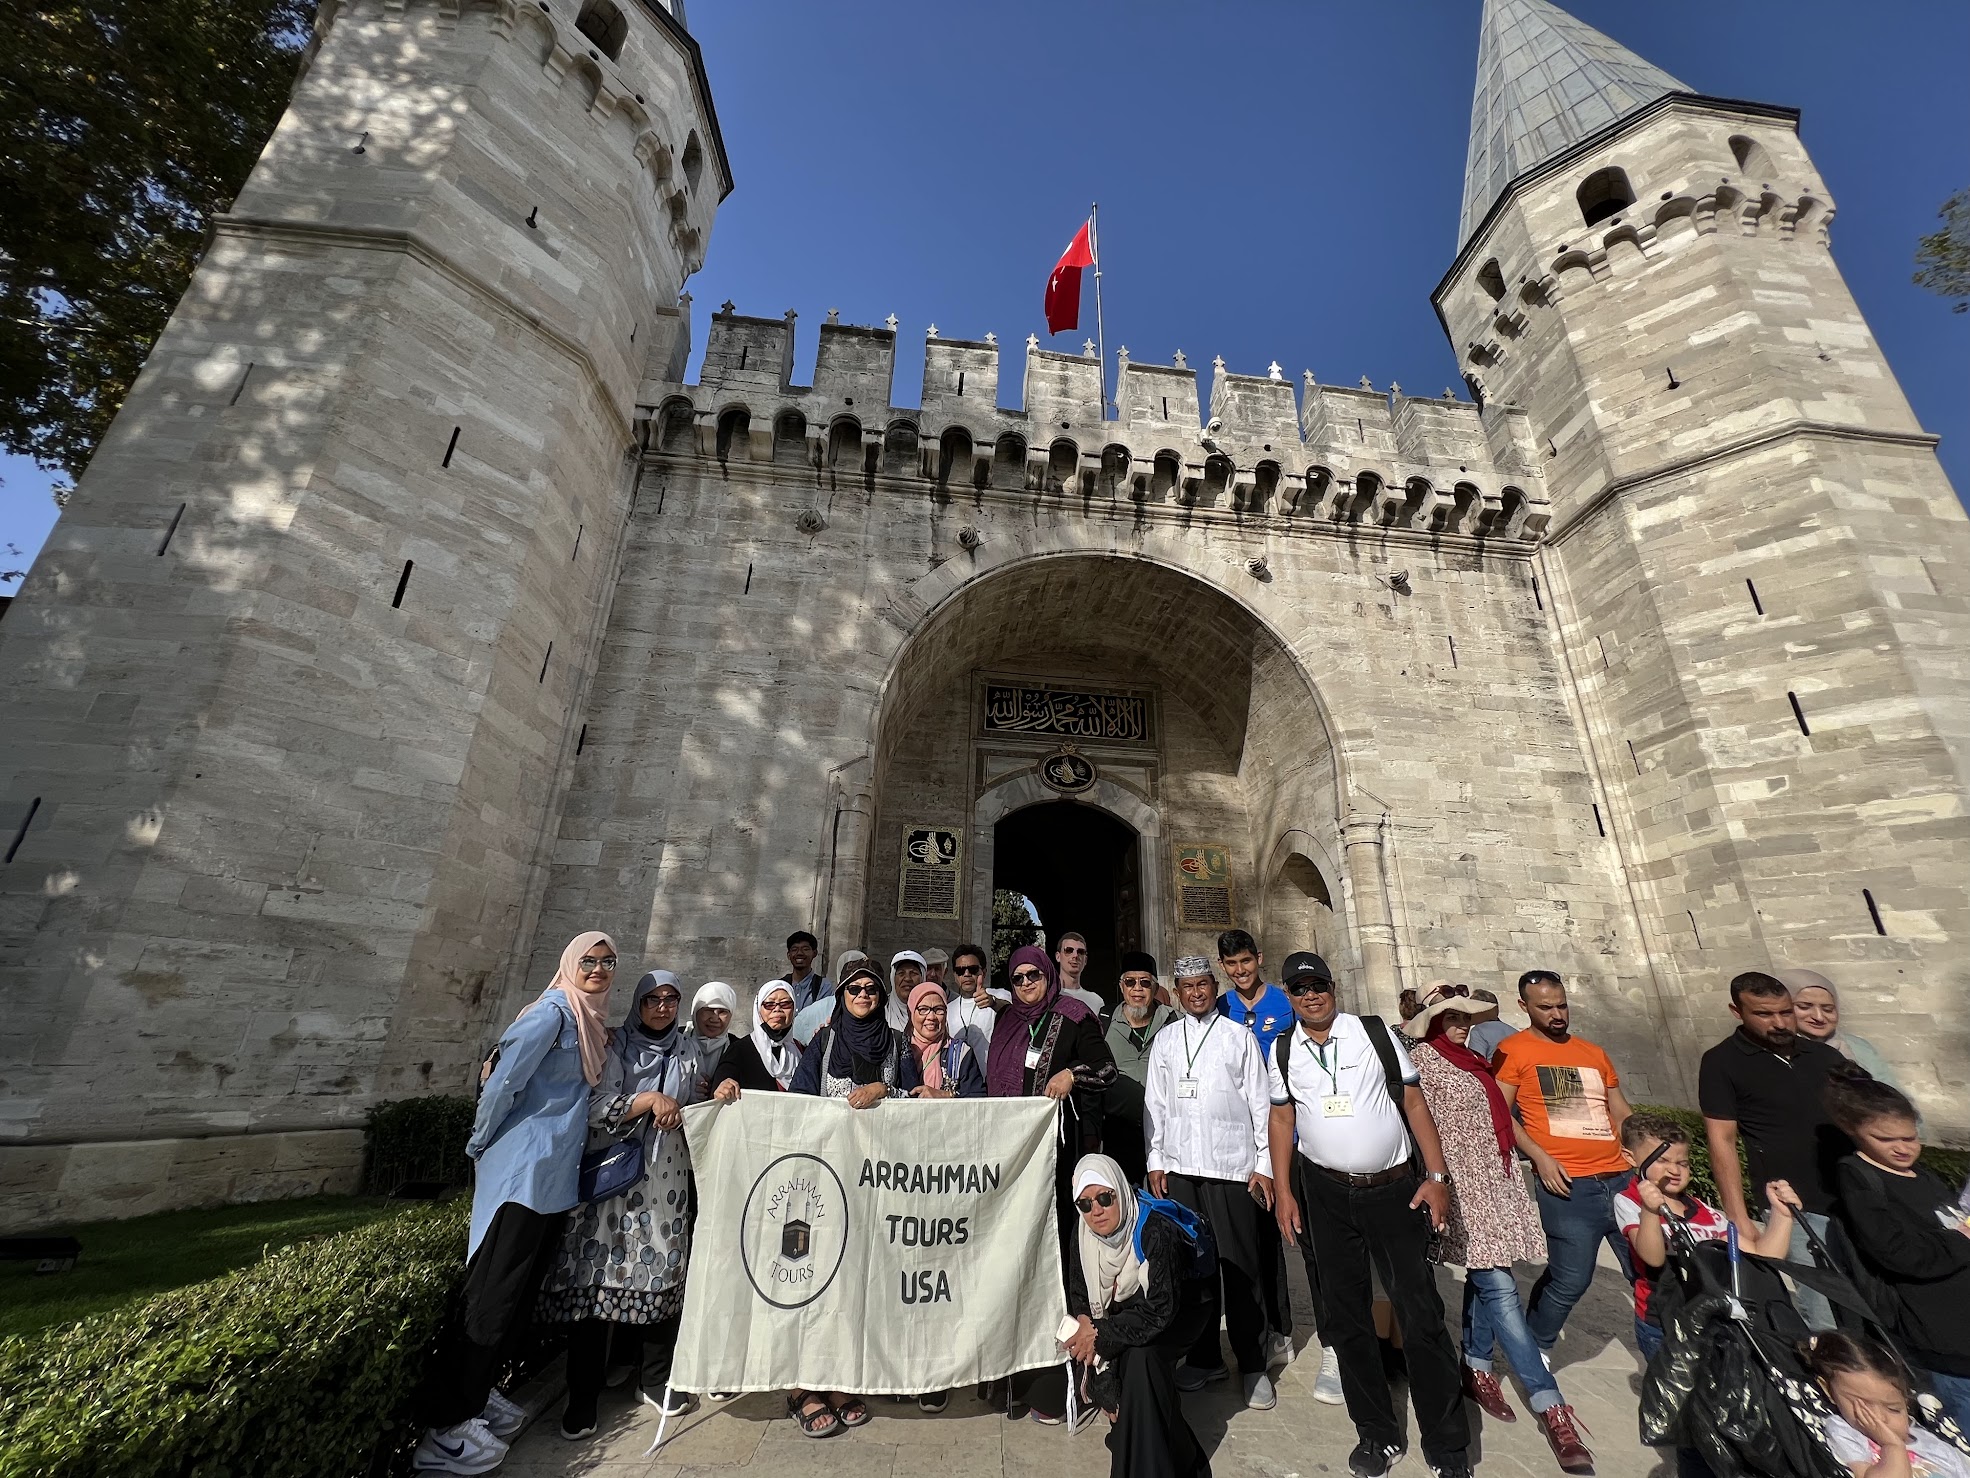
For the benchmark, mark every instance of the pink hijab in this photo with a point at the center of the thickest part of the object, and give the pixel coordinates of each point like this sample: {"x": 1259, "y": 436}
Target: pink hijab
{"x": 587, "y": 1000}
{"x": 929, "y": 1050}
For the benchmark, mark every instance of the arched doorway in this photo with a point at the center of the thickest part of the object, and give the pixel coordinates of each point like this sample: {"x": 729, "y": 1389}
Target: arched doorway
{"x": 1080, "y": 867}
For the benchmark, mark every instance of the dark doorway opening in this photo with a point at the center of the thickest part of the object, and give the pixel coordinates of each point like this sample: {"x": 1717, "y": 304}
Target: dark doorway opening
{"x": 1080, "y": 867}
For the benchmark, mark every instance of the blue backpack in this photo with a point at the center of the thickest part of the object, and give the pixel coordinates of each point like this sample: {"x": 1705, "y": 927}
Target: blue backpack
{"x": 1203, "y": 1247}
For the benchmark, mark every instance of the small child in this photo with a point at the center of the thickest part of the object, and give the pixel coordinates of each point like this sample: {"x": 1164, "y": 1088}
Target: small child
{"x": 1908, "y": 1228}
{"x": 1639, "y": 1208}
{"x": 1872, "y": 1434}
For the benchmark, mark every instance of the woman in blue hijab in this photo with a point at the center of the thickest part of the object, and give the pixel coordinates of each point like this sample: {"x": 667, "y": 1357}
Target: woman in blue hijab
{"x": 621, "y": 1264}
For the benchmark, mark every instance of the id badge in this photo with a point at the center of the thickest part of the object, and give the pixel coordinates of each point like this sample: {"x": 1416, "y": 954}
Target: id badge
{"x": 1032, "y": 1057}
{"x": 1337, "y": 1106}
{"x": 1186, "y": 1087}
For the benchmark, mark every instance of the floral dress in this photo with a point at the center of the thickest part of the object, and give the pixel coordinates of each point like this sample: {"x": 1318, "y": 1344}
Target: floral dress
{"x": 1493, "y": 1222}
{"x": 624, "y": 1259}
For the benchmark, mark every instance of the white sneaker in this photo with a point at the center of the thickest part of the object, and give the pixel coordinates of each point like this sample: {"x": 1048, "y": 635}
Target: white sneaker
{"x": 1327, "y": 1385}
{"x": 469, "y": 1447}
{"x": 1279, "y": 1350}
{"x": 502, "y": 1417}
{"x": 1259, "y": 1393}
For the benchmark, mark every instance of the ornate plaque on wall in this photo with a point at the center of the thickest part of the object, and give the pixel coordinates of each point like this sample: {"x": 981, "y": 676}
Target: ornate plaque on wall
{"x": 928, "y": 887}
{"x": 1067, "y": 770}
{"x": 1205, "y": 897}
{"x": 1041, "y": 711}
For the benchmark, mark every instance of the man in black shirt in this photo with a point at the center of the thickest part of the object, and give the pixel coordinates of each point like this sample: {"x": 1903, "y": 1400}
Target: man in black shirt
{"x": 1768, "y": 1082}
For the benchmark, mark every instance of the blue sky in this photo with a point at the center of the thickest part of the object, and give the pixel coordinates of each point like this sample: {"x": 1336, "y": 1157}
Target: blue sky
{"x": 1279, "y": 179}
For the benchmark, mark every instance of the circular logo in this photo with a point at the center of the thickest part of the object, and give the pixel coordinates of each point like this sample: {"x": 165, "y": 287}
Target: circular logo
{"x": 794, "y": 1230}
{"x": 1067, "y": 771}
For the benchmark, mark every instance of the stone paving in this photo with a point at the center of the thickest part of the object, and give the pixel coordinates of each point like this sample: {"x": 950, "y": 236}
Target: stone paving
{"x": 1596, "y": 1361}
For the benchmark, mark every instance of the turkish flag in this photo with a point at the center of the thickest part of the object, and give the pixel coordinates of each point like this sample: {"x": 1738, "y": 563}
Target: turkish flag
{"x": 1064, "y": 287}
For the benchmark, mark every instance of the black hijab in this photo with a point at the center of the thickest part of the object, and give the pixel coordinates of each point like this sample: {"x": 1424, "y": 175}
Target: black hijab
{"x": 859, "y": 1045}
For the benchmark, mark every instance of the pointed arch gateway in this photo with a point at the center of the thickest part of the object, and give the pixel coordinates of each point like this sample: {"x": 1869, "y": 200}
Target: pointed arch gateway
{"x": 1196, "y": 736}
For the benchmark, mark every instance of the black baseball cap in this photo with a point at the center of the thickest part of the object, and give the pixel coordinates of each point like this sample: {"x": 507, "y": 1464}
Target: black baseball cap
{"x": 1304, "y": 964}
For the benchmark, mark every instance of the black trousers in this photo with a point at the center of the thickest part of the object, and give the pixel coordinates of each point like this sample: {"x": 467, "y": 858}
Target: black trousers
{"x": 650, "y": 1347}
{"x": 1244, "y": 1301}
{"x": 1344, "y": 1228}
{"x": 1150, "y": 1438}
{"x": 1122, "y": 1140}
{"x": 501, "y": 1283}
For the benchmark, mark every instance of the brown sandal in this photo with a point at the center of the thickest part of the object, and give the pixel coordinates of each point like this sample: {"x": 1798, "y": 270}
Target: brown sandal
{"x": 821, "y": 1422}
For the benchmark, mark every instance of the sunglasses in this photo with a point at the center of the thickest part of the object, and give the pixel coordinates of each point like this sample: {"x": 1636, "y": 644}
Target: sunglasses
{"x": 1309, "y": 987}
{"x": 970, "y": 969}
{"x": 596, "y": 967}
{"x": 1029, "y": 977}
{"x": 1447, "y": 993}
{"x": 862, "y": 988}
{"x": 1103, "y": 1199}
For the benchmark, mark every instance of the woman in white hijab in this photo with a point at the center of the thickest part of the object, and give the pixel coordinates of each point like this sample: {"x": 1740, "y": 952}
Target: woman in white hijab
{"x": 765, "y": 1061}
{"x": 710, "y": 1031}
{"x": 1138, "y": 1309}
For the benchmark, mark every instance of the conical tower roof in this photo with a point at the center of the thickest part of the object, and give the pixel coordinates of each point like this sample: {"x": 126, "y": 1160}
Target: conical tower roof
{"x": 1545, "y": 81}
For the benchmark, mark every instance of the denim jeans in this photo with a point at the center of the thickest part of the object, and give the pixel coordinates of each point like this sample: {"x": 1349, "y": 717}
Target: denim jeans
{"x": 1575, "y": 1225}
{"x": 1689, "y": 1462}
{"x": 1954, "y": 1392}
{"x": 1493, "y": 1314}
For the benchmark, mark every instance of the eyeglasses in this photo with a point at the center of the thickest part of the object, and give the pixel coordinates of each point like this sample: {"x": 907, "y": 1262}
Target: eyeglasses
{"x": 1103, "y": 1199}
{"x": 668, "y": 998}
{"x": 1029, "y": 977}
{"x": 596, "y": 967}
{"x": 1309, "y": 986}
{"x": 969, "y": 969}
{"x": 776, "y": 1005}
{"x": 930, "y": 1009}
{"x": 862, "y": 988}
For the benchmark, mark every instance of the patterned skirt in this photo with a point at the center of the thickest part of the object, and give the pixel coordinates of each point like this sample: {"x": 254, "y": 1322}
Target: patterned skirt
{"x": 624, "y": 1259}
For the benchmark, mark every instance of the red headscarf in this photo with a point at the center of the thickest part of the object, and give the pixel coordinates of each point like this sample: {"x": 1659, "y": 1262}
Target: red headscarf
{"x": 1458, "y": 1055}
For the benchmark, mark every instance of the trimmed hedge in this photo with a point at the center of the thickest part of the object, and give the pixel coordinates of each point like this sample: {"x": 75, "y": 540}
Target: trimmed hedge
{"x": 307, "y": 1363}
{"x": 1953, "y": 1166}
{"x": 417, "y": 1140}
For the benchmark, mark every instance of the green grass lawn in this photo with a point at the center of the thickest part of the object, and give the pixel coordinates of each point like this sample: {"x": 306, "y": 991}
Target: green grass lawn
{"x": 126, "y": 1260}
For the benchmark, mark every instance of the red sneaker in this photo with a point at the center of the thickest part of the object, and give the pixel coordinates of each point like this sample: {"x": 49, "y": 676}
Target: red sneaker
{"x": 1483, "y": 1387}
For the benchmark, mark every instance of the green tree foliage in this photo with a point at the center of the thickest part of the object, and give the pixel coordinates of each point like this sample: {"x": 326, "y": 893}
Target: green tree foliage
{"x": 123, "y": 127}
{"x": 1014, "y": 923}
{"x": 1943, "y": 257}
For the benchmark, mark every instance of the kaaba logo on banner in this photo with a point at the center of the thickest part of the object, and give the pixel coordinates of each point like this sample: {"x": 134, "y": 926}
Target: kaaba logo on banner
{"x": 794, "y": 1231}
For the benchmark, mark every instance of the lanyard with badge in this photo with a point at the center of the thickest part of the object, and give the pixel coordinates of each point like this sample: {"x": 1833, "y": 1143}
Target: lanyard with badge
{"x": 1033, "y": 1041}
{"x": 1334, "y": 1104}
{"x": 1187, "y": 1084}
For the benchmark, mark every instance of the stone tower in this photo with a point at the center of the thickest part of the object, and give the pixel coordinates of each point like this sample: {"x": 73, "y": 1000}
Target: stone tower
{"x": 1759, "y": 575}
{"x": 293, "y": 687}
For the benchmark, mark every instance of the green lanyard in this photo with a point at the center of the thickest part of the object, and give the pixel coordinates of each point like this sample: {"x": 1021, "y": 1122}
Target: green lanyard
{"x": 1033, "y": 1032}
{"x": 1189, "y": 1057}
{"x": 1320, "y": 1056}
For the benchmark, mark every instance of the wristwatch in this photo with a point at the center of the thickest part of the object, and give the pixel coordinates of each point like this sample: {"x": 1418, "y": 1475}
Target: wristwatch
{"x": 1441, "y": 1177}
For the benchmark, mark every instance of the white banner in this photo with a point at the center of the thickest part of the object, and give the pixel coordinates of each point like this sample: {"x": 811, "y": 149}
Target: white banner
{"x": 903, "y": 1248}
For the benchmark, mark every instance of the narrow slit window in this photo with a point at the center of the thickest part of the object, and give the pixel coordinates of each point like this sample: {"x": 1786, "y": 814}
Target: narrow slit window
{"x": 1166, "y": 407}
{"x": 1756, "y": 604}
{"x": 403, "y": 584}
{"x": 1873, "y": 908}
{"x": 451, "y": 446}
{"x": 960, "y": 382}
{"x": 1798, "y": 713}
{"x": 577, "y": 549}
{"x": 748, "y": 589}
{"x": 20, "y": 832}
{"x": 1695, "y": 933}
{"x": 1600, "y": 826}
{"x": 1633, "y": 758}
{"x": 743, "y": 352}
{"x": 1453, "y": 649}
{"x": 549, "y": 657}
{"x": 240, "y": 388}
{"x": 1538, "y": 599}
{"x": 165, "y": 543}
{"x": 581, "y": 739}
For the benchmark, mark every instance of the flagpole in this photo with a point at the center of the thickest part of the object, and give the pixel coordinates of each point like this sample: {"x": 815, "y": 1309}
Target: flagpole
{"x": 1100, "y": 339}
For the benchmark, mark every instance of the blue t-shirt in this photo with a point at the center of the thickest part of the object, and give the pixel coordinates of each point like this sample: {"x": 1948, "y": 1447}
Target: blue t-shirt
{"x": 1265, "y": 1020}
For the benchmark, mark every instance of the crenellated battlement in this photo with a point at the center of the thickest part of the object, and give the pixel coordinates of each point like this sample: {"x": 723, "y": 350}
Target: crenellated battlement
{"x": 1332, "y": 454}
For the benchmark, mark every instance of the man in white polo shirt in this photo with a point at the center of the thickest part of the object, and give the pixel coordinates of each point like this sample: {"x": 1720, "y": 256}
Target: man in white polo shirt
{"x": 1351, "y": 1191}
{"x": 1204, "y": 1101}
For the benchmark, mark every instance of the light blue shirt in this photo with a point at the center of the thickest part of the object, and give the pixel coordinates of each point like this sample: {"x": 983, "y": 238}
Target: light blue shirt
{"x": 533, "y": 1118}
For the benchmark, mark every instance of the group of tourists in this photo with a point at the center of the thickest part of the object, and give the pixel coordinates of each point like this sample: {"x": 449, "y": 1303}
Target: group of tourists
{"x": 1239, "y": 1115}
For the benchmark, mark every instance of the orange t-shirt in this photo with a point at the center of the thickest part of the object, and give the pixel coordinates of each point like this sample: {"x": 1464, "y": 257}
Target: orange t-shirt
{"x": 1562, "y": 1092}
